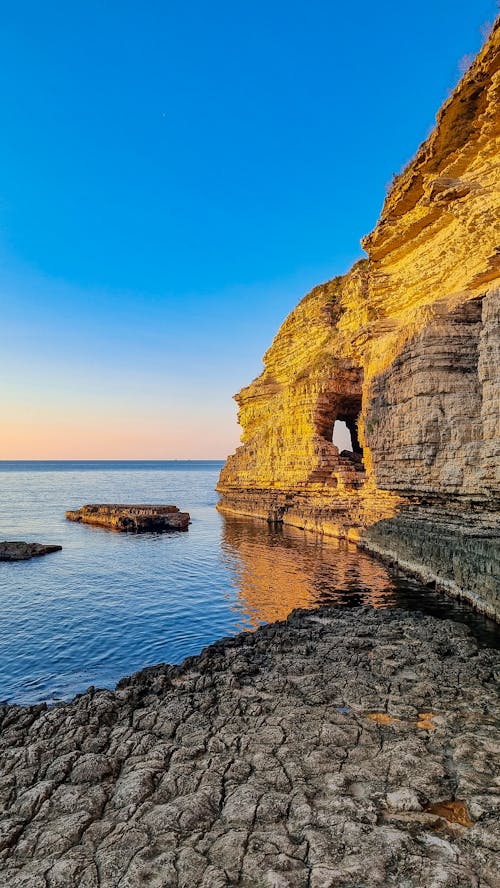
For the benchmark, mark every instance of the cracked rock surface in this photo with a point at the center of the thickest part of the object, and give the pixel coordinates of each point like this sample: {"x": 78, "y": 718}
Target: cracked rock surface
{"x": 343, "y": 747}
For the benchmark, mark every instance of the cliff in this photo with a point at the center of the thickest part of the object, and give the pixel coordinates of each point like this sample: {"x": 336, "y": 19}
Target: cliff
{"x": 405, "y": 349}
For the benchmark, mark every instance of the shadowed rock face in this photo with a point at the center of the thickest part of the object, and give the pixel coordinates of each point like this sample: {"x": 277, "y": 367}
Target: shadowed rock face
{"x": 406, "y": 346}
{"x": 20, "y": 551}
{"x": 339, "y": 748}
{"x": 132, "y": 518}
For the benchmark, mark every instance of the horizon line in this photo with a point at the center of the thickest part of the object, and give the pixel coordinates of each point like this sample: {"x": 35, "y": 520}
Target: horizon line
{"x": 79, "y": 459}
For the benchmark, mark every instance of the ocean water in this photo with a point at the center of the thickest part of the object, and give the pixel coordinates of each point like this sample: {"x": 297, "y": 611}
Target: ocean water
{"x": 110, "y": 603}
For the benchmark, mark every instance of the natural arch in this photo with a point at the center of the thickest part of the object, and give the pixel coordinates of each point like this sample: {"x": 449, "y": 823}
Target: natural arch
{"x": 342, "y": 437}
{"x": 345, "y": 427}
{"x": 348, "y": 412}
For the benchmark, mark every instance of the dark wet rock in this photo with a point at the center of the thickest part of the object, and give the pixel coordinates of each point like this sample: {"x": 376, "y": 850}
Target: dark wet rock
{"x": 339, "y": 748}
{"x": 132, "y": 518}
{"x": 15, "y": 550}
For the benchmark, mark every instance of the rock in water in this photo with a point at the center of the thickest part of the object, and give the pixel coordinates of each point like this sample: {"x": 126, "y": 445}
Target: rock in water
{"x": 132, "y": 518}
{"x": 15, "y": 550}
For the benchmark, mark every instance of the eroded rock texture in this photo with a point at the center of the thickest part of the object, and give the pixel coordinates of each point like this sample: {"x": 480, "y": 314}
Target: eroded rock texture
{"x": 344, "y": 747}
{"x": 132, "y": 518}
{"x": 406, "y": 349}
{"x": 16, "y": 550}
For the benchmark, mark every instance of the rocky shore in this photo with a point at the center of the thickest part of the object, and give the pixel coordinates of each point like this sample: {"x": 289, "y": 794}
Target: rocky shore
{"x": 343, "y": 747}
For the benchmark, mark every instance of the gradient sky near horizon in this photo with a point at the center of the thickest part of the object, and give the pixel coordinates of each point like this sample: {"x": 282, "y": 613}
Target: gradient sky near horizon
{"x": 174, "y": 176}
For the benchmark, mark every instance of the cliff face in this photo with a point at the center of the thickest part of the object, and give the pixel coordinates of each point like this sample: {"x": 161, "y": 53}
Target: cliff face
{"x": 405, "y": 349}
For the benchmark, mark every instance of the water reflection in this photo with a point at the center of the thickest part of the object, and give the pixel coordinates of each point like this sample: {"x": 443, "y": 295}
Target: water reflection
{"x": 277, "y": 569}
{"x": 280, "y": 568}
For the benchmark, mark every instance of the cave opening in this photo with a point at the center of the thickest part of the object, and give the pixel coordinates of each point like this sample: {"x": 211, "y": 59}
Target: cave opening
{"x": 342, "y": 437}
{"x": 345, "y": 428}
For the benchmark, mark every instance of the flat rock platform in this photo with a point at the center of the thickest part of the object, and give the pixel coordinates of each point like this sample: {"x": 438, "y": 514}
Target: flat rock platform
{"x": 16, "y": 550}
{"x": 343, "y": 747}
{"x": 132, "y": 518}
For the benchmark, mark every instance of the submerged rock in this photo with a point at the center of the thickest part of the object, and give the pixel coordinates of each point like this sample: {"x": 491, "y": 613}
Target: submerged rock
{"x": 15, "y": 550}
{"x": 343, "y": 747}
{"x": 132, "y": 518}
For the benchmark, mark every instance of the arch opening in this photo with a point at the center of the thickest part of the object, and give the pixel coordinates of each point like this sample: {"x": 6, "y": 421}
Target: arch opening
{"x": 342, "y": 437}
{"x": 345, "y": 428}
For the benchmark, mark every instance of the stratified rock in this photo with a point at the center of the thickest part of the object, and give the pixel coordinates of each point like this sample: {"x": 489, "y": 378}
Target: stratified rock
{"x": 405, "y": 349}
{"x": 15, "y": 550}
{"x": 343, "y": 748}
{"x": 132, "y": 518}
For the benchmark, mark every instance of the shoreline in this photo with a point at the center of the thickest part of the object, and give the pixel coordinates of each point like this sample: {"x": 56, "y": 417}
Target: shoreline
{"x": 281, "y": 757}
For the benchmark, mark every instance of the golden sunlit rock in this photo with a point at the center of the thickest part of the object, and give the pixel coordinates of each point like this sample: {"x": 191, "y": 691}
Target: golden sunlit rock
{"x": 426, "y": 721}
{"x": 383, "y": 718}
{"x": 452, "y": 811}
{"x": 405, "y": 349}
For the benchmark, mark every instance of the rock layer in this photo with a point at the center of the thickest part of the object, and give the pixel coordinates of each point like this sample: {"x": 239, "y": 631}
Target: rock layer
{"x": 132, "y": 518}
{"x": 11, "y": 550}
{"x": 343, "y": 747}
{"x": 405, "y": 349}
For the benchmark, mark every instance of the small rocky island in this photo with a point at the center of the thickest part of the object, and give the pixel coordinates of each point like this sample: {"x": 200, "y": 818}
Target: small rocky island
{"x": 16, "y": 550}
{"x": 132, "y": 518}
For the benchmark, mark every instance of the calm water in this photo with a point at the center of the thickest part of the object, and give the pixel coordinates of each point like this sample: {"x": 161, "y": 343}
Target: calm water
{"x": 111, "y": 603}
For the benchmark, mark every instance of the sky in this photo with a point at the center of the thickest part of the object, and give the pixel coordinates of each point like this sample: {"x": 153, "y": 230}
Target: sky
{"x": 174, "y": 176}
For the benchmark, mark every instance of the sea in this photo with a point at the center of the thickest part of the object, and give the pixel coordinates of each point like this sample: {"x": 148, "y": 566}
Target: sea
{"x": 110, "y": 604}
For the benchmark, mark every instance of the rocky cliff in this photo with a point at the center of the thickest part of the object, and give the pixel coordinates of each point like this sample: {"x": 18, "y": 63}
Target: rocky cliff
{"x": 405, "y": 349}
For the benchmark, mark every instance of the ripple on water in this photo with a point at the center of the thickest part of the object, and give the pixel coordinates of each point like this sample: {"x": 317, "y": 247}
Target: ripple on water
{"x": 110, "y": 604}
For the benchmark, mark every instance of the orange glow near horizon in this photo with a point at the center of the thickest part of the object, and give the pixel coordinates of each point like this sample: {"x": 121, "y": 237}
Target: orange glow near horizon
{"x": 39, "y": 433}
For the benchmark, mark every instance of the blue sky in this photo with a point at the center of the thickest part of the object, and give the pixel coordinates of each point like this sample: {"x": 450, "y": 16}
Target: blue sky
{"x": 173, "y": 177}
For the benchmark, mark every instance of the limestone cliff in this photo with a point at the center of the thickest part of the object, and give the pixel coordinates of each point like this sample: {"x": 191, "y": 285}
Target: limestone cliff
{"x": 405, "y": 348}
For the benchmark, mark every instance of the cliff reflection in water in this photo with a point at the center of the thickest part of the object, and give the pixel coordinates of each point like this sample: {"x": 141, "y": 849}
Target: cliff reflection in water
{"x": 277, "y": 569}
{"x": 280, "y": 568}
